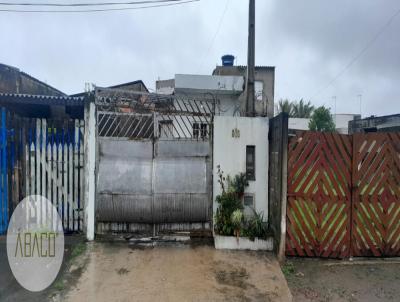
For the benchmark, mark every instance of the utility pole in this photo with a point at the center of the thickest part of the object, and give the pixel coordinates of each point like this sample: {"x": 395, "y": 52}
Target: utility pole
{"x": 250, "y": 99}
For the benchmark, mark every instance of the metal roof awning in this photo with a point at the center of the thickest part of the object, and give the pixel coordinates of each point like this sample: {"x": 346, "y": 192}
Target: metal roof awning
{"x": 15, "y": 98}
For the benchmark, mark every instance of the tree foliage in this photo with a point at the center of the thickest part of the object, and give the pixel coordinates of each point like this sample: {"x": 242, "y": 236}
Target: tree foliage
{"x": 321, "y": 120}
{"x": 302, "y": 109}
{"x": 285, "y": 106}
{"x": 299, "y": 109}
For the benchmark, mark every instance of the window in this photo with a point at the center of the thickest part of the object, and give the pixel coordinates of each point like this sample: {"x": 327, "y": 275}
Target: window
{"x": 200, "y": 130}
{"x": 203, "y": 130}
{"x": 251, "y": 162}
{"x": 259, "y": 90}
{"x": 248, "y": 200}
{"x": 195, "y": 130}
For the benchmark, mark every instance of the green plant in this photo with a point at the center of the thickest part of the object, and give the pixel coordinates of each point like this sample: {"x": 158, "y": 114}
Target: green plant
{"x": 321, "y": 120}
{"x": 255, "y": 227}
{"x": 288, "y": 269}
{"x": 221, "y": 178}
{"x": 237, "y": 183}
{"x": 302, "y": 109}
{"x": 237, "y": 219}
{"x": 227, "y": 204}
{"x": 229, "y": 219}
{"x": 285, "y": 106}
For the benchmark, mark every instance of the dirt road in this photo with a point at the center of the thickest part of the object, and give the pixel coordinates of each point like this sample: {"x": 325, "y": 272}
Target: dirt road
{"x": 122, "y": 272}
{"x": 319, "y": 280}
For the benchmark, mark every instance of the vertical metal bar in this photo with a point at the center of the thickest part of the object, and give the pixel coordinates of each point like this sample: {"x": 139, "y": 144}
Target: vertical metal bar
{"x": 37, "y": 174}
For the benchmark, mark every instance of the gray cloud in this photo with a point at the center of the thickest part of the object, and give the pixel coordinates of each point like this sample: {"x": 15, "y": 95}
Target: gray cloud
{"x": 309, "y": 42}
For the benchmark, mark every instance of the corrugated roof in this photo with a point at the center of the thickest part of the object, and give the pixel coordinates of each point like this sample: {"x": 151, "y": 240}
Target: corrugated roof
{"x": 17, "y": 98}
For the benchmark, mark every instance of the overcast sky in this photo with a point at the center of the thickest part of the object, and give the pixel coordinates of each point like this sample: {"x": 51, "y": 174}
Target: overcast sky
{"x": 309, "y": 42}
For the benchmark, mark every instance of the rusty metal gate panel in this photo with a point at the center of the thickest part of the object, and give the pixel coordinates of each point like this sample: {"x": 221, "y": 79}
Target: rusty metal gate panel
{"x": 319, "y": 195}
{"x": 376, "y": 195}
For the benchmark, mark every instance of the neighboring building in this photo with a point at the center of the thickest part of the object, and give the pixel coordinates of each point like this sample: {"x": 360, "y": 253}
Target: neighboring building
{"x": 12, "y": 80}
{"x": 227, "y": 86}
{"x": 341, "y": 121}
{"x": 132, "y": 86}
{"x": 295, "y": 123}
{"x": 387, "y": 123}
{"x": 264, "y": 86}
{"x": 226, "y": 90}
{"x": 39, "y": 99}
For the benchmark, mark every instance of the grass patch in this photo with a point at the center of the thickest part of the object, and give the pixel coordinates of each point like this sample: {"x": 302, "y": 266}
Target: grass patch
{"x": 58, "y": 285}
{"x": 78, "y": 249}
{"x": 288, "y": 269}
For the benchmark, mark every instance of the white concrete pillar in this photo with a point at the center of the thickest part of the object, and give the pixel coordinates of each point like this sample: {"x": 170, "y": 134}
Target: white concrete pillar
{"x": 90, "y": 169}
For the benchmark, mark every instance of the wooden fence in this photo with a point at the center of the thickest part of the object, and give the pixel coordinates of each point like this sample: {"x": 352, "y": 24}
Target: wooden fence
{"x": 376, "y": 194}
{"x": 47, "y": 159}
{"x": 343, "y": 195}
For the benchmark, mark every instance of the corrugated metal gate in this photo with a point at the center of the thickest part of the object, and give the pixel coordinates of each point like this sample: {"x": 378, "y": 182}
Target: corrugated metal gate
{"x": 154, "y": 162}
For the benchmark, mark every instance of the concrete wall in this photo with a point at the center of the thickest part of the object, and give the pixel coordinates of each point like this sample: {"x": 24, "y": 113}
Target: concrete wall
{"x": 263, "y": 74}
{"x": 221, "y": 84}
{"x": 230, "y": 154}
{"x": 298, "y": 123}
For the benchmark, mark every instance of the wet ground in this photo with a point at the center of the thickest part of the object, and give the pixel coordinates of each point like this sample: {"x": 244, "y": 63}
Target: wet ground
{"x": 176, "y": 272}
{"x": 363, "y": 280}
{"x": 10, "y": 290}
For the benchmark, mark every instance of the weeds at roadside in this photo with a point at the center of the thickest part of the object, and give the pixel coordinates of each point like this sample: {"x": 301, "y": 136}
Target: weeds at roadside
{"x": 78, "y": 250}
{"x": 58, "y": 285}
{"x": 288, "y": 269}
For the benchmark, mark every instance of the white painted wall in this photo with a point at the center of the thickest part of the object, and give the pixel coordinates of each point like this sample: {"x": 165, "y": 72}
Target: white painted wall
{"x": 298, "y": 123}
{"x": 341, "y": 121}
{"x": 230, "y": 154}
{"x": 221, "y": 84}
{"x": 90, "y": 170}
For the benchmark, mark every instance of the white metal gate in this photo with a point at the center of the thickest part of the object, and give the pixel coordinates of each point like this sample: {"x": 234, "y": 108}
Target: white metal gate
{"x": 54, "y": 167}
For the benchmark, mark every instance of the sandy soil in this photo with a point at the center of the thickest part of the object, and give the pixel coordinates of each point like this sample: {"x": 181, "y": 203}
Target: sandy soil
{"x": 122, "y": 272}
{"x": 332, "y": 281}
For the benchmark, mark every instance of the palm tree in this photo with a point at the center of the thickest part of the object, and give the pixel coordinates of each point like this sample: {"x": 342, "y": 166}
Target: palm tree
{"x": 285, "y": 106}
{"x": 302, "y": 109}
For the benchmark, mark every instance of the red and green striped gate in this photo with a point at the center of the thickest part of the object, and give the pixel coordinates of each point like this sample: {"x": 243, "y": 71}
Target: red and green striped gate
{"x": 343, "y": 195}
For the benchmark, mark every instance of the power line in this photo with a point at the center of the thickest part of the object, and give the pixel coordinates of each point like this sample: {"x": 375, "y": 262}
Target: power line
{"x": 98, "y": 9}
{"x": 215, "y": 35}
{"x": 85, "y": 4}
{"x": 363, "y": 50}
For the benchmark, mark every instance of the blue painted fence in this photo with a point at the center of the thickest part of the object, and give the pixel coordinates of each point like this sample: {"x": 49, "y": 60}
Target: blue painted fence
{"x": 3, "y": 174}
{"x": 41, "y": 157}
